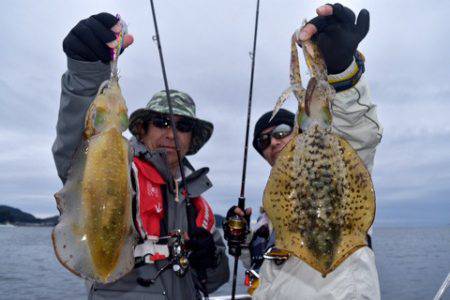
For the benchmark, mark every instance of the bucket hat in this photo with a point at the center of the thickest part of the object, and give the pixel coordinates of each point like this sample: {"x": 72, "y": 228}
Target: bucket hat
{"x": 182, "y": 105}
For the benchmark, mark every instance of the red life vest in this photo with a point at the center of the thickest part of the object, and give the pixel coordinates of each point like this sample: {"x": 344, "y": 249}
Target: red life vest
{"x": 150, "y": 202}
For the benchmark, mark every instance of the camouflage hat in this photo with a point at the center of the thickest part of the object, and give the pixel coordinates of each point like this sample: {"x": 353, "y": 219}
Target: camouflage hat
{"x": 182, "y": 105}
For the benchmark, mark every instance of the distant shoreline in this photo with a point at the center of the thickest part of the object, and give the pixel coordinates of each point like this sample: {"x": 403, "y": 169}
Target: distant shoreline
{"x": 16, "y": 217}
{"x": 25, "y": 225}
{"x": 10, "y": 216}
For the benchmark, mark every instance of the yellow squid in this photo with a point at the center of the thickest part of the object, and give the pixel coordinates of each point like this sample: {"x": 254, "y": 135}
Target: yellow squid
{"x": 319, "y": 196}
{"x": 94, "y": 237}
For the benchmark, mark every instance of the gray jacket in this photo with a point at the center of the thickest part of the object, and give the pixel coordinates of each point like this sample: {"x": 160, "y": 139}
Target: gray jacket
{"x": 79, "y": 87}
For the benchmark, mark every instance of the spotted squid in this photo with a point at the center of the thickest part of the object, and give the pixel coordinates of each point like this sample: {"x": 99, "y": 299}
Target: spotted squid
{"x": 319, "y": 195}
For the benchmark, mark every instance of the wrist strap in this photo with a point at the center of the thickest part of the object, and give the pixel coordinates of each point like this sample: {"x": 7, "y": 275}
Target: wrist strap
{"x": 353, "y": 78}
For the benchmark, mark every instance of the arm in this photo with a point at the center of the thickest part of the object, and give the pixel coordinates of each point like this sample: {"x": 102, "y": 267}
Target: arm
{"x": 79, "y": 85}
{"x": 208, "y": 247}
{"x": 221, "y": 274}
{"x": 338, "y": 37}
{"x": 87, "y": 47}
{"x": 355, "y": 119}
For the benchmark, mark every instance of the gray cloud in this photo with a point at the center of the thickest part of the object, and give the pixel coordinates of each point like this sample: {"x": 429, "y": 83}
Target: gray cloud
{"x": 206, "y": 45}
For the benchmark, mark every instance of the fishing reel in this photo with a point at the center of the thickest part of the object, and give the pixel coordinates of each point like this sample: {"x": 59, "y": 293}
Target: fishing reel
{"x": 235, "y": 232}
{"x": 178, "y": 252}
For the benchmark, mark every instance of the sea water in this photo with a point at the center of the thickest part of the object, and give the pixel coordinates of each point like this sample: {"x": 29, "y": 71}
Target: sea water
{"x": 412, "y": 263}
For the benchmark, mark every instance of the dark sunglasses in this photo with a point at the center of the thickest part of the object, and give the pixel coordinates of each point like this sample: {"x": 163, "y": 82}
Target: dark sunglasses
{"x": 281, "y": 131}
{"x": 183, "y": 125}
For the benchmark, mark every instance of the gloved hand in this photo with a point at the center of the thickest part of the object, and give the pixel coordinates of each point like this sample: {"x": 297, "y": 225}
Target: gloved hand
{"x": 203, "y": 249}
{"x": 92, "y": 38}
{"x": 336, "y": 34}
{"x": 258, "y": 245}
{"x": 262, "y": 232}
{"x": 236, "y": 237}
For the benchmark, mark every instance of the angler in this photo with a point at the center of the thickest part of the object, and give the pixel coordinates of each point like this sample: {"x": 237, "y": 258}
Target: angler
{"x": 167, "y": 258}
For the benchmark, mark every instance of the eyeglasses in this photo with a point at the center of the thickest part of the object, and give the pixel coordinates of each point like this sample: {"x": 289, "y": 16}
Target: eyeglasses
{"x": 281, "y": 131}
{"x": 183, "y": 125}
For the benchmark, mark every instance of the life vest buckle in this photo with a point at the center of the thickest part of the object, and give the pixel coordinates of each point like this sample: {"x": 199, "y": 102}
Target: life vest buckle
{"x": 177, "y": 254}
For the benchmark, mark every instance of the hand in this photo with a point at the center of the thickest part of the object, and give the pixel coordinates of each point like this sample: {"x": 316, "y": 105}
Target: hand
{"x": 235, "y": 210}
{"x": 92, "y": 38}
{"x": 336, "y": 34}
{"x": 233, "y": 236}
{"x": 203, "y": 249}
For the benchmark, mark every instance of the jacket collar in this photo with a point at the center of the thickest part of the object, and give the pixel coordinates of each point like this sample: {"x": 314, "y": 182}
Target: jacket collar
{"x": 197, "y": 180}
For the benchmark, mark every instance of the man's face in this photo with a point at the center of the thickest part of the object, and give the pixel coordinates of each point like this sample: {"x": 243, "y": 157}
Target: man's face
{"x": 276, "y": 145}
{"x": 160, "y": 136}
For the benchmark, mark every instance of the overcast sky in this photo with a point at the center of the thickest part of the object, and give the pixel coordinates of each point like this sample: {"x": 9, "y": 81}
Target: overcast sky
{"x": 206, "y": 45}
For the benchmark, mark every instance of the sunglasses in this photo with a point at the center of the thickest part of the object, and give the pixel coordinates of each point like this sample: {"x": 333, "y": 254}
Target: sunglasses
{"x": 183, "y": 125}
{"x": 281, "y": 131}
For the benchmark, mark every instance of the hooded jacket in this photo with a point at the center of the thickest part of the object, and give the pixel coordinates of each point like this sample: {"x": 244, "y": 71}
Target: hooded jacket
{"x": 79, "y": 87}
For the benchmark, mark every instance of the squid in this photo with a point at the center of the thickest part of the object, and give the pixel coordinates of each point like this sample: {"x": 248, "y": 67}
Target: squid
{"x": 94, "y": 238}
{"x": 319, "y": 195}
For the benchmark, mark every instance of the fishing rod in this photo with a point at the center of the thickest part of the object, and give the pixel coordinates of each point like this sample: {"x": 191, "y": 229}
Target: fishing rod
{"x": 189, "y": 207}
{"x": 169, "y": 101}
{"x": 240, "y": 224}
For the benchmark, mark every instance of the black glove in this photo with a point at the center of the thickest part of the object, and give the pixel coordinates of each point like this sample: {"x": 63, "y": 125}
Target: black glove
{"x": 338, "y": 37}
{"x": 87, "y": 40}
{"x": 203, "y": 249}
{"x": 258, "y": 245}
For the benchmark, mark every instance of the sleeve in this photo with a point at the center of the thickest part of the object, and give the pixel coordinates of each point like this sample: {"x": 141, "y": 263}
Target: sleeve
{"x": 205, "y": 215}
{"x": 355, "y": 119}
{"x": 79, "y": 85}
{"x": 258, "y": 244}
{"x": 219, "y": 275}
